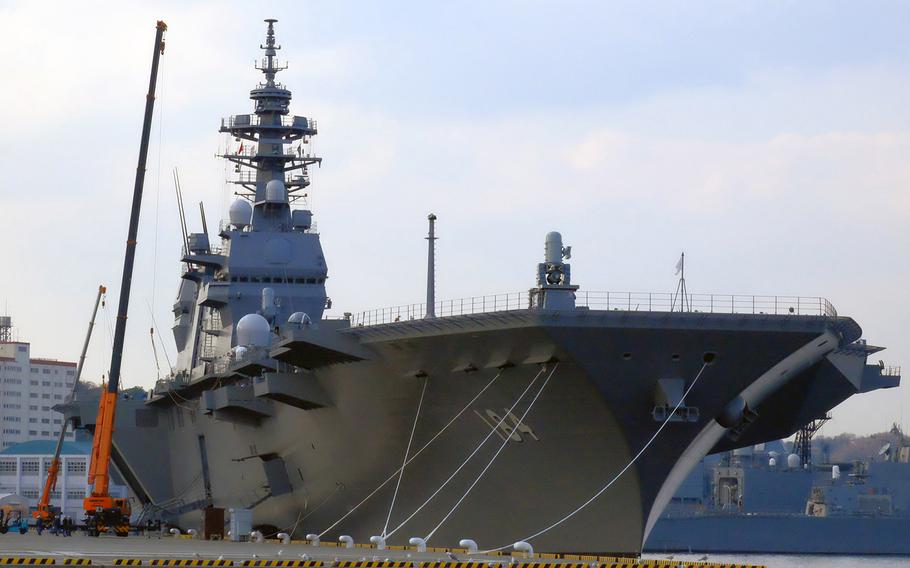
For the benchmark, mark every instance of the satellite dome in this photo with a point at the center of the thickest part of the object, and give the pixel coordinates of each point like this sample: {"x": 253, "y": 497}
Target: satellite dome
{"x": 793, "y": 461}
{"x": 772, "y": 462}
{"x": 253, "y": 330}
{"x": 275, "y": 192}
{"x": 240, "y": 213}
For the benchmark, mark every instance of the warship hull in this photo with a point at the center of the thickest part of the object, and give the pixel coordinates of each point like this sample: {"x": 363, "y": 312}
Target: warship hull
{"x": 302, "y": 461}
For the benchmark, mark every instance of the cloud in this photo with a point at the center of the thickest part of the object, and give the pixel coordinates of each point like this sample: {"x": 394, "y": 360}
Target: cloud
{"x": 787, "y": 180}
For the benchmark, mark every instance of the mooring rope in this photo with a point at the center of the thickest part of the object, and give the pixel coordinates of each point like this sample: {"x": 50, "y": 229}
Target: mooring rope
{"x": 417, "y": 453}
{"x": 492, "y": 431}
{"x": 496, "y": 455}
{"x": 407, "y": 451}
{"x": 616, "y": 477}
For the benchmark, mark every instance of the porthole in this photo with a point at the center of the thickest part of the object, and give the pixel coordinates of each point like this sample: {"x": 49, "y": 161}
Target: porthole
{"x": 626, "y": 356}
{"x": 709, "y": 357}
{"x": 675, "y": 356}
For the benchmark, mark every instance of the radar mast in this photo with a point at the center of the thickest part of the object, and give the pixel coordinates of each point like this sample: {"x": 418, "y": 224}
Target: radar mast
{"x": 269, "y": 148}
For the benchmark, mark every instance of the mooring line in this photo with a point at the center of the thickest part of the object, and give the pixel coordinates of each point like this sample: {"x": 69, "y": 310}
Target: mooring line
{"x": 417, "y": 453}
{"x": 496, "y": 455}
{"x": 492, "y": 431}
{"x": 407, "y": 451}
{"x": 616, "y": 477}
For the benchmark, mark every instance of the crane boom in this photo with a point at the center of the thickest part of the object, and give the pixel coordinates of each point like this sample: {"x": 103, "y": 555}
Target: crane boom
{"x": 102, "y": 511}
{"x": 43, "y": 511}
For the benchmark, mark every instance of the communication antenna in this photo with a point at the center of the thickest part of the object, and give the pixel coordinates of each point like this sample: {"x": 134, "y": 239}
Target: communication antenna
{"x": 431, "y": 267}
{"x": 186, "y": 242}
{"x": 205, "y": 226}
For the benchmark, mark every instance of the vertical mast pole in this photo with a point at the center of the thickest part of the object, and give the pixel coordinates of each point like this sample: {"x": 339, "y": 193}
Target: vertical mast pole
{"x": 431, "y": 268}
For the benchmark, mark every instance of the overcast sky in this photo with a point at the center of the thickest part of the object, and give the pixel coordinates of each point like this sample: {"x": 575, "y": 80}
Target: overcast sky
{"x": 769, "y": 140}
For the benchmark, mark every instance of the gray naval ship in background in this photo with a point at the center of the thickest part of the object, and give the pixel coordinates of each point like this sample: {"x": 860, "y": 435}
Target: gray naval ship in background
{"x": 764, "y": 499}
{"x": 307, "y": 420}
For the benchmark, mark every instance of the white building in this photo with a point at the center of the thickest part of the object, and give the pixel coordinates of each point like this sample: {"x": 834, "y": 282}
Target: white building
{"x": 29, "y": 388}
{"x": 23, "y": 471}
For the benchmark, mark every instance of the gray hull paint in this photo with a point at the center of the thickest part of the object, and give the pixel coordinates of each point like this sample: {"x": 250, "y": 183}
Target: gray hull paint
{"x": 593, "y": 416}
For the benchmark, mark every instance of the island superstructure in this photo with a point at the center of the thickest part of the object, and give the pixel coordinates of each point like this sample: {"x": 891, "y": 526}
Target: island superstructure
{"x": 508, "y": 411}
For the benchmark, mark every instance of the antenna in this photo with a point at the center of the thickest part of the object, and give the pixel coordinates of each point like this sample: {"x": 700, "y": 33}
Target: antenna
{"x": 186, "y": 242}
{"x": 431, "y": 267}
{"x": 205, "y": 226}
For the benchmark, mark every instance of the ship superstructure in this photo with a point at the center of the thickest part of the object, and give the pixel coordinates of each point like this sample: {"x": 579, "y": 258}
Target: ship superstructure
{"x": 270, "y": 261}
{"x": 508, "y": 411}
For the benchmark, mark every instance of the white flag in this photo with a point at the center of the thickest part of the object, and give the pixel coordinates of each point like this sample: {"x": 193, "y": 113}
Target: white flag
{"x": 679, "y": 264}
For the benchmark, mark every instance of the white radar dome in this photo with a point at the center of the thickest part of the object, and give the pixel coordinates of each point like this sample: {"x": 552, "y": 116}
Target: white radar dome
{"x": 772, "y": 462}
{"x": 793, "y": 461}
{"x": 275, "y": 192}
{"x": 240, "y": 213}
{"x": 253, "y": 330}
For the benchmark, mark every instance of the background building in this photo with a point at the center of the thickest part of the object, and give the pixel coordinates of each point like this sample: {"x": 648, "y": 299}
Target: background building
{"x": 29, "y": 388}
{"x": 23, "y": 470}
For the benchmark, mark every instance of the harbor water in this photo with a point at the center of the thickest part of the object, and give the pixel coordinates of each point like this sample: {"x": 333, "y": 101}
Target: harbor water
{"x": 796, "y": 561}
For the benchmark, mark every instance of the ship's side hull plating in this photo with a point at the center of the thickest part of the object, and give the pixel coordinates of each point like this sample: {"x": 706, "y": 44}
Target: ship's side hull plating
{"x": 303, "y": 469}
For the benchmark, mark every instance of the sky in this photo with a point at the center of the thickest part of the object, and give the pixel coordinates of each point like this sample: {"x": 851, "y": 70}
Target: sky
{"x": 767, "y": 140}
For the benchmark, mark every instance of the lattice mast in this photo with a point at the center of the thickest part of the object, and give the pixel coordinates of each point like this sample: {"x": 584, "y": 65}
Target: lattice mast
{"x": 803, "y": 442}
{"x": 270, "y": 145}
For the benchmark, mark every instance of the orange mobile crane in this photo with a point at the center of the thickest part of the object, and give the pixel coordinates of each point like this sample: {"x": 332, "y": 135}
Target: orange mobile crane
{"x": 104, "y": 513}
{"x": 44, "y": 511}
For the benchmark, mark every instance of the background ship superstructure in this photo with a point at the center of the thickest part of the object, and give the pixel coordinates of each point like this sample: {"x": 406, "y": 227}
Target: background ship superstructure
{"x": 760, "y": 499}
{"x": 275, "y": 407}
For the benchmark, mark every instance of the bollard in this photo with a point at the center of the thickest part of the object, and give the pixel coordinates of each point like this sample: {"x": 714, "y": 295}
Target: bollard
{"x": 174, "y": 532}
{"x": 469, "y": 545}
{"x": 256, "y": 537}
{"x": 284, "y": 537}
{"x": 346, "y": 540}
{"x": 419, "y": 543}
{"x": 191, "y": 532}
{"x": 313, "y": 538}
{"x": 378, "y": 541}
{"x": 522, "y": 546}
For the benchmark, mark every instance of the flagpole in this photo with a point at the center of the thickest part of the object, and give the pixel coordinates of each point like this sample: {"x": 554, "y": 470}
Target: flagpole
{"x": 681, "y": 294}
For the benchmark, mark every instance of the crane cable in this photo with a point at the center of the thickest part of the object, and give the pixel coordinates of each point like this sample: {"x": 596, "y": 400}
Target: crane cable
{"x": 615, "y": 477}
{"x": 417, "y": 453}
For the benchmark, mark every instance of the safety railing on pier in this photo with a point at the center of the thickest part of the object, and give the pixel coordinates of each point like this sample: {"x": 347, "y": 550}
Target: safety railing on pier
{"x": 611, "y": 301}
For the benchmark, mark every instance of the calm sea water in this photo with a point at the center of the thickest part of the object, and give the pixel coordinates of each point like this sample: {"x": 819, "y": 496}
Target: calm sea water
{"x": 788, "y": 561}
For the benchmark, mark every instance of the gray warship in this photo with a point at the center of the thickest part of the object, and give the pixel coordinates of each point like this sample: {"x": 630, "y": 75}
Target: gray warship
{"x": 487, "y": 418}
{"x": 748, "y": 501}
